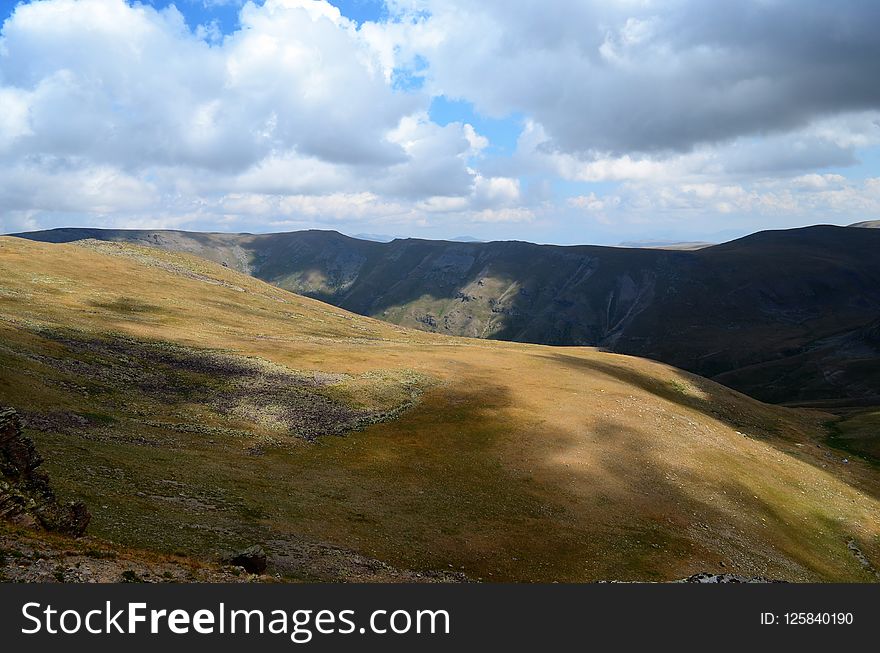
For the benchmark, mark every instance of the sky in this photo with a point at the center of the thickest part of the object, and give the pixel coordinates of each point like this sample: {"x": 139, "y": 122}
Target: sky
{"x": 577, "y": 121}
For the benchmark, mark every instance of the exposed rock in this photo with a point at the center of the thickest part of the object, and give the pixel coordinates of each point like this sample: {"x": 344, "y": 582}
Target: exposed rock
{"x": 26, "y": 497}
{"x": 253, "y": 559}
{"x": 863, "y": 560}
{"x": 704, "y": 577}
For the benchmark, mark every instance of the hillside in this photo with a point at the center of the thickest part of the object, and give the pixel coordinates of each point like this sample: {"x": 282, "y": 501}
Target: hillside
{"x": 197, "y": 410}
{"x": 784, "y": 316}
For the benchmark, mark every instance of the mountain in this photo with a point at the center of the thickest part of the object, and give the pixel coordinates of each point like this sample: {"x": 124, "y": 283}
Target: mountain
{"x": 466, "y": 239}
{"x": 784, "y": 316}
{"x": 870, "y": 224}
{"x": 196, "y": 410}
{"x": 666, "y": 244}
{"x": 379, "y": 238}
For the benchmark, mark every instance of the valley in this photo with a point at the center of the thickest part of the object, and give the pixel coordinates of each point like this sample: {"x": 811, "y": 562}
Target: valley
{"x": 198, "y": 410}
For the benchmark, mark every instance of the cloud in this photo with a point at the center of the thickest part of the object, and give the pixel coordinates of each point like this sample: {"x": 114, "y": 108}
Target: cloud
{"x": 14, "y": 109}
{"x": 830, "y": 142}
{"x": 436, "y": 161}
{"x": 497, "y": 192}
{"x": 514, "y": 214}
{"x": 133, "y": 87}
{"x": 110, "y": 107}
{"x": 65, "y": 186}
{"x": 642, "y": 77}
{"x": 828, "y": 198}
{"x": 630, "y": 113}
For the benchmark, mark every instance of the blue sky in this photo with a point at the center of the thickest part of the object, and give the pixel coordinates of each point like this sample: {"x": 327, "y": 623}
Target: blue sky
{"x": 225, "y": 12}
{"x": 596, "y": 122}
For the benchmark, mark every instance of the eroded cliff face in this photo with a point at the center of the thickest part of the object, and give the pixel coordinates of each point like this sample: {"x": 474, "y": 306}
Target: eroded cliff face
{"x": 26, "y": 498}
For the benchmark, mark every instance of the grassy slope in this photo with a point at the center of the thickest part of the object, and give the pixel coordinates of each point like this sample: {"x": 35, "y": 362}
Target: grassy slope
{"x": 517, "y": 462}
{"x": 858, "y": 431}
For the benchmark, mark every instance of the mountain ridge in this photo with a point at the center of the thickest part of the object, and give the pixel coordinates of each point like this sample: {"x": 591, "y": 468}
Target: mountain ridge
{"x": 759, "y": 313}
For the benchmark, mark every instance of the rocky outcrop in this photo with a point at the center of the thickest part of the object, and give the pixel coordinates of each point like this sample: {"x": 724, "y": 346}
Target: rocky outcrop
{"x": 709, "y": 578}
{"x": 26, "y": 497}
{"x": 253, "y": 559}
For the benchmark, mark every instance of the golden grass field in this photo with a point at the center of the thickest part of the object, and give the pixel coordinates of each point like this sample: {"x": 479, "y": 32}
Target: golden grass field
{"x": 418, "y": 453}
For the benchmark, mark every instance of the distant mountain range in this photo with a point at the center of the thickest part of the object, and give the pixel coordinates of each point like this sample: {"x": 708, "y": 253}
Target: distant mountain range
{"x": 785, "y": 316}
{"x": 385, "y": 238}
{"x": 666, "y": 244}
